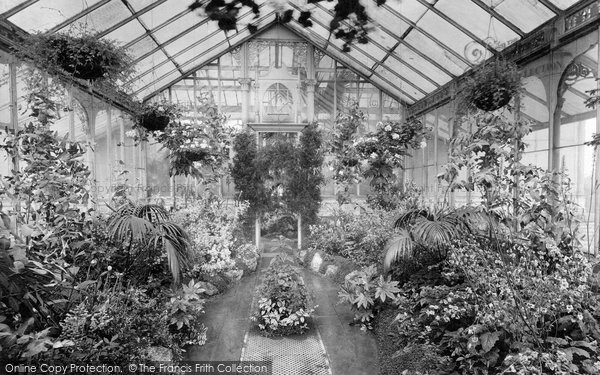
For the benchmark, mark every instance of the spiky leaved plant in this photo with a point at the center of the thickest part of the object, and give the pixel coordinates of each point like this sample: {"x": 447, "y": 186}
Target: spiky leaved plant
{"x": 148, "y": 226}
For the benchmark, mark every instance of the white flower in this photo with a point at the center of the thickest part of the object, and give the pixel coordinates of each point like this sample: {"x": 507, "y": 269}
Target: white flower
{"x": 388, "y": 128}
{"x": 395, "y": 136}
{"x": 374, "y": 155}
{"x": 569, "y": 308}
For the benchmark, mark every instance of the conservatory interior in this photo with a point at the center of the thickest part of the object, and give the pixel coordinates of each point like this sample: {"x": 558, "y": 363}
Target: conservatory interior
{"x": 299, "y": 187}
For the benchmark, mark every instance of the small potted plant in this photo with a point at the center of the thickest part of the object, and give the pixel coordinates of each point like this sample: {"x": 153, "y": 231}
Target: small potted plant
{"x": 492, "y": 85}
{"x": 81, "y": 56}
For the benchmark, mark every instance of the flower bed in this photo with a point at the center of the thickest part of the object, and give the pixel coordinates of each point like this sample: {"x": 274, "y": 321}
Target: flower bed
{"x": 282, "y": 301}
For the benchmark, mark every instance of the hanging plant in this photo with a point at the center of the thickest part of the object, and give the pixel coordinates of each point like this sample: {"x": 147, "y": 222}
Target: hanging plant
{"x": 82, "y": 56}
{"x": 203, "y": 141}
{"x": 156, "y": 116}
{"x": 492, "y": 85}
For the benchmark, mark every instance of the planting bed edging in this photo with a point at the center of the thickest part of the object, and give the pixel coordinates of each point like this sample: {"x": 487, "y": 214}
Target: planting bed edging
{"x": 321, "y": 263}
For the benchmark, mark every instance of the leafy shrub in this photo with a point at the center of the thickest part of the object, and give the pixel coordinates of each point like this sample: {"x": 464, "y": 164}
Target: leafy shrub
{"x": 185, "y": 308}
{"x": 118, "y": 327}
{"x": 511, "y": 309}
{"x": 283, "y": 301}
{"x": 360, "y": 238}
{"x": 367, "y": 292}
{"x": 212, "y": 225}
{"x": 246, "y": 257}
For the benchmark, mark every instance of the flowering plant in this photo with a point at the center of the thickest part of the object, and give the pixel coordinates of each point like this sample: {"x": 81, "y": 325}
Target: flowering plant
{"x": 211, "y": 224}
{"x": 204, "y": 139}
{"x": 385, "y": 149}
{"x": 345, "y": 164}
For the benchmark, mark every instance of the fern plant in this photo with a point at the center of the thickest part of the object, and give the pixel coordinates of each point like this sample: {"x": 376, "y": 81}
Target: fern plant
{"x": 148, "y": 225}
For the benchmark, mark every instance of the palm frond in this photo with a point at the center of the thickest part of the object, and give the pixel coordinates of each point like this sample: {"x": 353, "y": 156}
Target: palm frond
{"x": 397, "y": 248}
{"x": 177, "y": 246}
{"x": 407, "y": 218}
{"x": 152, "y": 212}
{"x": 127, "y": 227}
{"x": 434, "y": 233}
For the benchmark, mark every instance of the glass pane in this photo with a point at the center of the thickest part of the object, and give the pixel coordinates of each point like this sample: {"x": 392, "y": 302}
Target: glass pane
{"x": 409, "y": 57}
{"x": 7, "y": 5}
{"x": 102, "y": 18}
{"x": 160, "y": 14}
{"x": 126, "y": 33}
{"x": 179, "y": 26}
{"x": 526, "y": 15}
{"x": 436, "y": 53}
{"x": 450, "y": 36}
{"x": 534, "y": 108}
{"x": 576, "y": 162}
{"x": 46, "y": 14}
{"x": 477, "y": 21}
{"x": 410, "y": 9}
{"x": 142, "y": 47}
{"x": 563, "y": 4}
{"x": 405, "y": 86}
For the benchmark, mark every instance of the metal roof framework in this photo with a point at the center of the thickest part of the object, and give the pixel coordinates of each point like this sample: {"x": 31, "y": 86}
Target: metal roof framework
{"x": 414, "y": 46}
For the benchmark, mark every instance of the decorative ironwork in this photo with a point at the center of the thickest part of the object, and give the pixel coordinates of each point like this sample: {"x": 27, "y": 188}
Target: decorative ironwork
{"x": 476, "y": 53}
{"x": 317, "y": 57}
{"x": 530, "y": 44}
{"x": 236, "y": 55}
{"x": 577, "y": 71}
{"x": 581, "y": 16}
{"x": 257, "y": 46}
{"x": 279, "y": 102}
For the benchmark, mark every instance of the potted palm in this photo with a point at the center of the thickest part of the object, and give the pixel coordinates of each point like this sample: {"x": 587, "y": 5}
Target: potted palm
{"x": 492, "y": 85}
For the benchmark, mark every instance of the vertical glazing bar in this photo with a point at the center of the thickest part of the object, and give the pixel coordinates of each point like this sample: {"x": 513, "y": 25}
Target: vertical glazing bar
{"x": 172, "y": 178}
{"x": 109, "y": 154}
{"x": 596, "y": 206}
{"x": 14, "y": 122}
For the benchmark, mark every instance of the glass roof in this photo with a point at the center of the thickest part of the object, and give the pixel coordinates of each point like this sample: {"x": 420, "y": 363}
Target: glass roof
{"x": 414, "y": 46}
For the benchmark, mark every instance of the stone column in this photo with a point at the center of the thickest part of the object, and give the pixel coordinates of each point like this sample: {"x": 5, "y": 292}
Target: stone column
{"x": 245, "y": 82}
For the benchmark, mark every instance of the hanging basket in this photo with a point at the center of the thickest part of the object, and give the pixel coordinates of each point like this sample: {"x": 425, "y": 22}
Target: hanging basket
{"x": 154, "y": 121}
{"x": 493, "y": 84}
{"x": 82, "y": 59}
{"x": 194, "y": 155}
{"x": 492, "y": 96}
